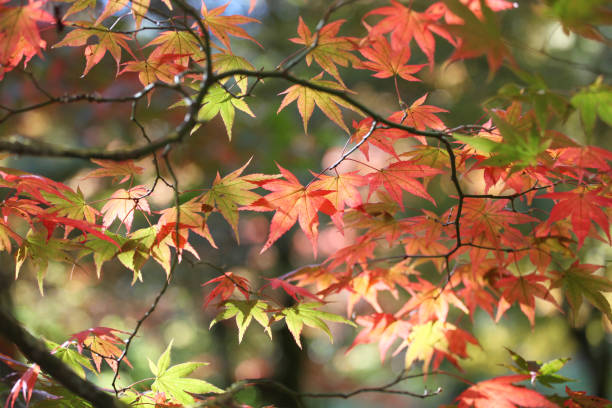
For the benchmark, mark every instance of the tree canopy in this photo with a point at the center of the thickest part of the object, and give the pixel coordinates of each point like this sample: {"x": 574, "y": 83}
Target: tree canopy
{"x": 402, "y": 177}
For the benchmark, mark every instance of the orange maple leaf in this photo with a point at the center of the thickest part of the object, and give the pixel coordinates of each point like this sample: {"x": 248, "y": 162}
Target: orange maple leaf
{"x": 307, "y": 98}
{"x": 107, "y": 41}
{"x": 388, "y": 61}
{"x": 330, "y": 50}
{"x": 224, "y": 26}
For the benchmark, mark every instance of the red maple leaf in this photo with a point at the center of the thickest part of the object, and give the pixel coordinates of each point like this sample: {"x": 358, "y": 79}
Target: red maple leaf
{"x": 486, "y": 222}
{"x": 343, "y": 192}
{"x": 388, "y": 61}
{"x": 583, "y": 206}
{"x": 19, "y": 34}
{"x": 580, "y": 399}
{"x": 500, "y": 393}
{"x": 524, "y": 290}
{"x": 294, "y": 291}
{"x": 26, "y": 384}
{"x": 102, "y": 343}
{"x": 400, "y": 176}
{"x": 226, "y": 284}
{"x": 293, "y": 202}
{"x": 404, "y": 24}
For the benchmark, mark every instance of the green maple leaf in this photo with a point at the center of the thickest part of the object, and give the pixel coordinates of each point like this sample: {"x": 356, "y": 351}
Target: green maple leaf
{"x": 40, "y": 251}
{"x": 173, "y": 382}
{"x": 579, "y": 282}
{"x": 135, "y": 251}
{"x": 544, "y": 373}
{"x": 232, "y": 191}
{"x": 520, "y": 148}
{"x": 102, "y": 250}
{"x": 306, "y": 314}
{"x": 71, "y": 205}
{"x": 245, "y": 311}
{"x": 71, "y": 357}
{"x": 596, "y": 100}
{"x": 220, "y": 102}
{"x": 229, "y": 62}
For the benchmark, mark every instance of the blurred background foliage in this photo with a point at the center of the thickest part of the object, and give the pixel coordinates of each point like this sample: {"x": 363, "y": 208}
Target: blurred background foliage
{"x": 553, "y": 62}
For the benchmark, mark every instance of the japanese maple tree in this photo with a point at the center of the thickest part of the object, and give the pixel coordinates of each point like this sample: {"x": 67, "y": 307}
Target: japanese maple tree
{"x": 432, "y": 221}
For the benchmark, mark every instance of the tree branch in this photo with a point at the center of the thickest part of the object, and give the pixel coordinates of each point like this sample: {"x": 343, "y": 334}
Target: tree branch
{"x": 36, "y": 351}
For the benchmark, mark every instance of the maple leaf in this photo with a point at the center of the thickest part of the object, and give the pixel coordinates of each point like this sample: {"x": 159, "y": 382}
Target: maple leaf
{"x": 293, "y": 202}
{"x": 102, "y": 343}
{"x": 190, "y": 216}
{"x": 406, "y": 24}
{"x": 330, "y": 50}
{"x": 582, "y": 160}
{"x": 307, "y": 98}
{"x": 430, "y": 302}
{"x": 153, "y": 69}
{"x": 124, "y": 170}
{"x": 434, "y": 338}
{"x": 19, "y": 34}
{"x": 70, "y": 357}
{"x": 381, "y": 328}
{"x": 41, "y": 249}
{"x": 33, "y": 185}
{"x": 592, "y": 102}
{"x": 112, "y": 7}
{"x": 400, "y": 176}
{"x": 306, "y": 314}
{"x": 544, "y": 373}
{"x": 107, "y": 41}
{"x": 343, "y": 192}
{"x": 232, "y": 191}
{"x": 181, "y": 44}
{"x": 224, "y": 26}
{"x": 122, "y": 205}
{"x": 224, "y": 62}
{"x": 245, "y": 311}
{"x": 500, "y": 392}
{"x": 583, "y": 206}
{"x": 6, "y": 233}
{"x": 388, "y": 61}
{"x": 136, "y": 250}
{"x": 51, "y": 221}
{"x": 71, "y": 205}
{"x": 478, "y": 36}
{"x": 580, "y": 399}
{"x": 420, "y": 116}
{"x": 524, "y": 290}
{"x": 579, "y": 281}
{"x": 294, "y": 291}
{"x": 226, "y": 284}
{"x": 79, "y": 5}
{"x": 489, "y": 223}
{"x": 172, "y": 381}
{"x": 25, "y": 384}
{"x": 218, "y": 101}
